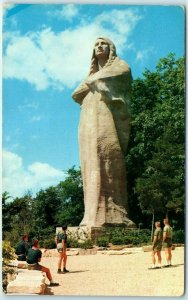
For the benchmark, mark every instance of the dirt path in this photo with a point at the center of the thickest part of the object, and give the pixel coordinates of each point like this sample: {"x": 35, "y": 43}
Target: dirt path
{"x": 118, "y": 275}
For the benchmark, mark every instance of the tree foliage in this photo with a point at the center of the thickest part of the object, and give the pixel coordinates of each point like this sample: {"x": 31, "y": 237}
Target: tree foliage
{"x": 39, "y": 216}
{"x": 71, "y": 193}
{"x": 157, "y": 144}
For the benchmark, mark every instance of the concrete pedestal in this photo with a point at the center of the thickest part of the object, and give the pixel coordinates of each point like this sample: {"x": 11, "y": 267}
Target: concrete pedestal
{"x": 82, "y": 233}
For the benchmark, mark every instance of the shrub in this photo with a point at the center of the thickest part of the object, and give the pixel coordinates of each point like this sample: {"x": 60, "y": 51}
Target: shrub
{"x": 72, "y": 243}
{"x": 117, "y": 240}
{"x": 8, "y": 252}
{"x": 13, "y": 236}
{"x": 87, "y": 244}
{"x": 122, "y": 236}
{"x": 178, "y": 236}
{"x": 48, "y": 244}
{"x": 127, "y": 240}
{"x": 7, "y": 272}
{"x": 103, "y": 242}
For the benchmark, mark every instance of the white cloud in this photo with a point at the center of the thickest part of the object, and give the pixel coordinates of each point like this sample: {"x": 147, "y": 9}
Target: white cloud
{"x": 142, "y": 55}
{"x": 123, "y": 21}
{"x": 17, "y": 180}
{"x": 49, "y": 59}
{"x": 67, "y": 12}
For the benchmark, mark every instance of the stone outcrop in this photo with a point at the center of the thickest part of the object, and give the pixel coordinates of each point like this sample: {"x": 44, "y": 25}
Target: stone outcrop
{"x": 27, "y": 283}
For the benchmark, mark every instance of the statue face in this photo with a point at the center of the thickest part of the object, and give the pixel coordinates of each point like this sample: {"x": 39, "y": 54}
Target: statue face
{"x": 101, "y": 48}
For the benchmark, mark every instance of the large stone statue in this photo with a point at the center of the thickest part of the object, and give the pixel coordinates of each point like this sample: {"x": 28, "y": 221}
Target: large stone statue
{"x": 103, "y": 137}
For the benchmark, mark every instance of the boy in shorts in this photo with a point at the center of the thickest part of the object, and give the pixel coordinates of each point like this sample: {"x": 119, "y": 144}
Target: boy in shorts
{"x": 61, "y": 242}
{"x": 157, "y": 245}
{"x": 33, "y": 259}
{"x": 167, "y": 242}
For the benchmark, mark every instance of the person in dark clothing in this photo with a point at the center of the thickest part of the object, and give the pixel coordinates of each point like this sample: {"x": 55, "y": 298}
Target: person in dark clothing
{"x": 22, "y": 248}
{"x": 33, "y": 259}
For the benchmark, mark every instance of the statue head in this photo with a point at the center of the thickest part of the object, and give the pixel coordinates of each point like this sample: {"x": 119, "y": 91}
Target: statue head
{"x": 111, "y": 55}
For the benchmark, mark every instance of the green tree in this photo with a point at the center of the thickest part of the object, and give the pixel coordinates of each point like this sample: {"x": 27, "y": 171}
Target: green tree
{"x": 18, "y": 218}
{"x": 155, "y": 161}
{"x": 46, "y": 205}
{"x": 6, "y": 217}
{"x": 71, "y": 193}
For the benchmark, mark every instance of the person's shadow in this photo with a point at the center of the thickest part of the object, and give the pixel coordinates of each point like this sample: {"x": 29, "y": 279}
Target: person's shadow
{"x": 78, "y": 271}
{"x": 173, "y": 266}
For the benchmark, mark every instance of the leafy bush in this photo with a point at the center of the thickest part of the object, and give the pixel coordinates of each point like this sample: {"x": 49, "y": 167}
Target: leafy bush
{"x": 122, "y": 236}
{"x": 103, "y": 242}
{"x": 8, "y": 252}
{"x": 127, "y": 239}
{"x": 87, "y": 244}
{"x": 13, "y": 237}
{"x": 179, "y": 236}
{"x": 72, "y": 243}
{"x": 117, "y": 240}
{"x": 7, "y": 272}
{"x": 48, "y": 244}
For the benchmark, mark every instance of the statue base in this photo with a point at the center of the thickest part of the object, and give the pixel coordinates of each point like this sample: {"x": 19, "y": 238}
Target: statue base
{"x": 82, "y": 233}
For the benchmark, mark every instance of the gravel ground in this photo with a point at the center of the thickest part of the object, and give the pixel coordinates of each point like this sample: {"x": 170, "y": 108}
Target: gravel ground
{"x": 118, "y": 275}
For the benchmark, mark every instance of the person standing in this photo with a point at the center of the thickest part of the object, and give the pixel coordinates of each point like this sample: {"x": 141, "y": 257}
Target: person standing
{"x": 61, "y": 242}
{"x": 33, "y": 259}
{"x": 157, "y": 245}
{"x": 167, "y": 242}
{"x": 22, "y": 248}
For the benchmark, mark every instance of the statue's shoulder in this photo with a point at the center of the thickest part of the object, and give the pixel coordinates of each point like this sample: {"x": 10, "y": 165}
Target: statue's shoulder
{"x": 122, "y": 64}
{"x": 119, "y": 67}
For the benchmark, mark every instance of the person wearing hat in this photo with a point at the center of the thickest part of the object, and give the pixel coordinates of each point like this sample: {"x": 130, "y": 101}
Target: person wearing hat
{"x": 61, "y": 242}
{"x": 22, "y": 248}
{"x": 33, "y": 259}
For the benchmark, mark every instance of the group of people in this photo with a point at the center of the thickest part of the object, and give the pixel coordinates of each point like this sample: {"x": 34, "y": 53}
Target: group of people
{"x": 162, "y": 238}
{"x": 32, "y": 254}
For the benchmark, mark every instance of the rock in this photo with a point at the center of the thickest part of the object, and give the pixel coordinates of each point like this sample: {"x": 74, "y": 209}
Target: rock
{"x": 27, "y": 282}
{"x": 120, "y": 247}
{"x": 102, "y": 248}
{"x": 87, "y": 251}
{"x": 26, "y": 287}
{"x": 72, "y": 252}
{"x": 123, "y": 251}
{"x": 118, "y": 252}
{"x": 134, "y": 250}
{"x": 18, "y": 264}
{"x": 50, "y": 253}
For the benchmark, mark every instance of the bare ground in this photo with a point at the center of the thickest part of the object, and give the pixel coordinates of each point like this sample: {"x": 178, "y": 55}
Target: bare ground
{"x": 118, "y": 275}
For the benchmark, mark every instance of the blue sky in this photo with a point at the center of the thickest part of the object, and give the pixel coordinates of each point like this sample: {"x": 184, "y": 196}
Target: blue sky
{"x": 46, "y": 54}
